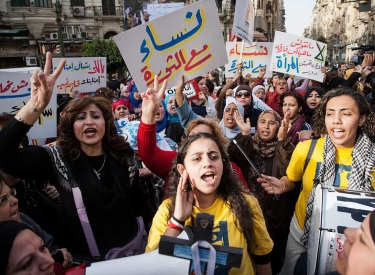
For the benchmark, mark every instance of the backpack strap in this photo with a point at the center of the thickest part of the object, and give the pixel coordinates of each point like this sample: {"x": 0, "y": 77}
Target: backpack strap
{"x": 309, "y": 154}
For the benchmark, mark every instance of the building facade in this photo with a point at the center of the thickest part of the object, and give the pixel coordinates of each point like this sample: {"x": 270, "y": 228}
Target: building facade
{"x": 343, "y": 25}
{"x": 28, "y": 28}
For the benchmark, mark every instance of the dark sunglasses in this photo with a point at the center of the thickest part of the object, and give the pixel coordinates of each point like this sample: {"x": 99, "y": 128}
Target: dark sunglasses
{"x": 240, "y": 94}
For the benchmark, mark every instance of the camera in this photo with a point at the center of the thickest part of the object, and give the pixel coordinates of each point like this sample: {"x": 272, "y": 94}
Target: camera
{"x": 364, "y": 48}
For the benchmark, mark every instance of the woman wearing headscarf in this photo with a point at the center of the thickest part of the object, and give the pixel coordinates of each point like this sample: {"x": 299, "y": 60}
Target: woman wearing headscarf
{"x": 18, "y": 253}
{"x": 135, "y": 98}
{"x": 173, "y": 130}
{"x": 342, "y": 157}
{"x": 270, "y": 150}
{"x": 228, "y": 124}
{"x": 259, "y": 92}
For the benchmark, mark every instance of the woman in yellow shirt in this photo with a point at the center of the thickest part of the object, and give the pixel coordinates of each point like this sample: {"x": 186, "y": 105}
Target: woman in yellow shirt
{"x": 343, "y": 157}
{"x": 202, "y": 180}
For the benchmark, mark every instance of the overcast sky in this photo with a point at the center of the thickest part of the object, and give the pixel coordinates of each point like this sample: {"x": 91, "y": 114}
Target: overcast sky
{"x": 298, "y": 15}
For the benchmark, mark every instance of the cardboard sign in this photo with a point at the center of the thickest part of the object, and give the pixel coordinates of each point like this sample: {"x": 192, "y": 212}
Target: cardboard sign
{"x": 189, "y": 90}
{"x": 254, "y": 57}
{"x": 298, "y": 56}
{"x": 83, "y": 74}
{"x": 157, "y": 10}
{"x": 243, "y": 23}
{"x": 188, "y": 41}
{"x": 15, "y": 93}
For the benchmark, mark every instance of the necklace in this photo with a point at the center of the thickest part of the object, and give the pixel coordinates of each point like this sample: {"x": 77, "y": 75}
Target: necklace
{"x": 341, "y": 165}
{"x": 97, "y": 172}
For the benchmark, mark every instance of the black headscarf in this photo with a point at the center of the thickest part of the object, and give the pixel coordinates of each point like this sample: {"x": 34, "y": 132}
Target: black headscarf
{"x": 8, "y": 232}
{"x": 335, "y": 82}
{"x": 309, "y": 112}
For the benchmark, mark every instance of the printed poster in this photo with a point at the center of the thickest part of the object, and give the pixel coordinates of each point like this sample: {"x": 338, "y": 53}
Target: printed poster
{"x": 298, "y": 56}
{"x": 191, "y": 45}
{"x": 243, "y": 23}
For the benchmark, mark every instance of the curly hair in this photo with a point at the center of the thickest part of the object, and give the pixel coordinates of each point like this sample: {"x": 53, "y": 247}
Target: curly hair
{"x": 300, "y": 100}
{"x": 363, "y": 106}
{"x": 213, "y": 125}
{"x": 230, "y": 189}
{"x": 111, "y": 142}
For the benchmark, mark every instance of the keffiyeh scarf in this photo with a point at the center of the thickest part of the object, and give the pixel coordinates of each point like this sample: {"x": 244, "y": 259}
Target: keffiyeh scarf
{"x": 359, "y": 179}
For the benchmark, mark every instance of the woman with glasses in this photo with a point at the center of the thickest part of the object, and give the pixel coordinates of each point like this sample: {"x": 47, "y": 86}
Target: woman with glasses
{"x": 91, "y": 157}
{"x": 244, "y": 96}
{"x": 121, "y": 109}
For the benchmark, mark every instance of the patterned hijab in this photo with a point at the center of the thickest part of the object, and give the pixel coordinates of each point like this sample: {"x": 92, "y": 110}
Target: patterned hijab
{"x": 266, "y": 149}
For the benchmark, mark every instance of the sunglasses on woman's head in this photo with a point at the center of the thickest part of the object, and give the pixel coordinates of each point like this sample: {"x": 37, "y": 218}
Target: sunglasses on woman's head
{"x": 240, "y": 94}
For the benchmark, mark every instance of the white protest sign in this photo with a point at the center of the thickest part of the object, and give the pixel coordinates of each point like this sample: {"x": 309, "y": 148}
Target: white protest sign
{"x": 254, "y": 57}
{"x": 157, "y": 10}
{"x": 189, "y": 91}
{"x": 191, "y": 47}
{"x": 83, "y": 74}
{"x": 243, "y": 23}
{"x": 15, "y": 93}
{"x": 298, "y": 56}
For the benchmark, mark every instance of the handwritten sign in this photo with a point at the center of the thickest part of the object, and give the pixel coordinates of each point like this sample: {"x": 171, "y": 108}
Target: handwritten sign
{"x": 84, "y": 74}
{"x": 15, "y": 93}
{"x": 169, "y": 46}
{"x": 189, "y": 91}
{"x": 157, "y": 10}
{"x": 298, "y": 55}
{"x": 254, "y": 57}
{"x": 243, "y": 23}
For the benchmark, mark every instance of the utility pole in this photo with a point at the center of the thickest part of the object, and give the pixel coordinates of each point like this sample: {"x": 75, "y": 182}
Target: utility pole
{"x": 58, "y": 11}
{"x": 225, "y": 25}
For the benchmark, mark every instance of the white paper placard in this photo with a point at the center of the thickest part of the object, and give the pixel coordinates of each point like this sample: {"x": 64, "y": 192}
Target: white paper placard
{"x": 243, "y": 23}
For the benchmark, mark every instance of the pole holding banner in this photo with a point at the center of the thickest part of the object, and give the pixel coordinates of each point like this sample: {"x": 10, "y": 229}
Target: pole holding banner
{"x": 242, "y": 46}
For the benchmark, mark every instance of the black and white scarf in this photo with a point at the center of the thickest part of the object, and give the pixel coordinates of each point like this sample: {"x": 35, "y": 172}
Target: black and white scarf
{"x": 359, "y": 179}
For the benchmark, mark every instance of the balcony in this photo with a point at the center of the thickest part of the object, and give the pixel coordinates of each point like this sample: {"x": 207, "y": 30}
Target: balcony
{"x": 109, "y": 11}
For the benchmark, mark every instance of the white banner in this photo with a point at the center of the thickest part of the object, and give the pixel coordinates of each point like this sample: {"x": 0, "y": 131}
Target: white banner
{"x": 298, "y": 56}
{"x": 254, "y": 57}
{"x": 84, "y": 74}
{"x": 157, "y": 10}
{"x": 15, "y": 93}
{"x": 169, "y": 46}
{"x": 243, "y": 23}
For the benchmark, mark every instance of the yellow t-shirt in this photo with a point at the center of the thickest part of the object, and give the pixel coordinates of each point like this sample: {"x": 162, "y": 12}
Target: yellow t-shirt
{"x": 225, "y": 231}
{"x": 295, "y": 171}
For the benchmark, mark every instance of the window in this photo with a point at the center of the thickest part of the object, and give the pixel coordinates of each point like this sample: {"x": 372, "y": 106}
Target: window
{"x": 20, "y": 3}
{"x": 77, "y": 3}
{"x": 43, "y": 3}
{"x": 72, "y": 29}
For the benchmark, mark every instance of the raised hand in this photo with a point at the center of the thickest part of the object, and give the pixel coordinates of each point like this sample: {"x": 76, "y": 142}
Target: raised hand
{"x": 179, "y": 91}
{"x": 42, "y": 84}
{"x": 271, "y": 185}
{"x": 245, "y": 127}
{"x": 262, "y": 72}
{"x": 151, "y": 101}
{"x": 238, "y": 73}
{"x": 283, "y": 130}
{"x": 184, "y": 199}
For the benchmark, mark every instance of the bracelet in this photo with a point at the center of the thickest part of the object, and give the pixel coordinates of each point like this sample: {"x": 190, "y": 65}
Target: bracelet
{"x": 182, "y": 223}
{"x": 172, "y": 224}
{"x": 22, "y": 121}
{"x": 283, "y": 188}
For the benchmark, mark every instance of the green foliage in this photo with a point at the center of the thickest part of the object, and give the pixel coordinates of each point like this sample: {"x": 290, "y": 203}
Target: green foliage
{"x": 108, "y": 48}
